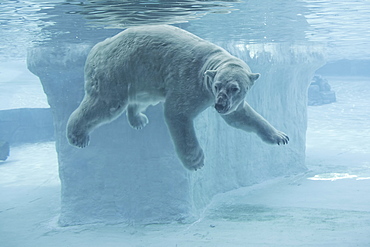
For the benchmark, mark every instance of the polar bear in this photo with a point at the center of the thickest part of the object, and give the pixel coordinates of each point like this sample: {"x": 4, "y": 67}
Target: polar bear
{"x": 143, "y": 66}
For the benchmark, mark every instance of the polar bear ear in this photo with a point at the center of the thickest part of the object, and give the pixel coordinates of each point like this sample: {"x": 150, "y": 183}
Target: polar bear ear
{"x": 254, "y": 76}
{"x": 210, "y": 73}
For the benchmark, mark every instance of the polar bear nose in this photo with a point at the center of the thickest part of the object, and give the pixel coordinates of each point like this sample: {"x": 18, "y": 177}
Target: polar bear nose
{"x": 220, "y": 108}
{"x": 221, "y": 105}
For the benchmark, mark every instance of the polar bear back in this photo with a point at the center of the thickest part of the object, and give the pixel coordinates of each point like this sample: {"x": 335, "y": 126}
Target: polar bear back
{"x": 152, "y": 60}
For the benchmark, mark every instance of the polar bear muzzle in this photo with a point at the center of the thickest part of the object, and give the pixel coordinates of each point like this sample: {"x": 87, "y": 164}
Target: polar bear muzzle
{"x": 223, "y": 103}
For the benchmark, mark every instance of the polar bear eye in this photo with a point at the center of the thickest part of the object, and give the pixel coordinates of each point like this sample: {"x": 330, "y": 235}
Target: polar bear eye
{"x": 234, "y": 89}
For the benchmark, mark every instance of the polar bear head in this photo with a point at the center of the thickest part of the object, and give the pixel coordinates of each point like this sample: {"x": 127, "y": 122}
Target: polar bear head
{"x": 229, "y": 86}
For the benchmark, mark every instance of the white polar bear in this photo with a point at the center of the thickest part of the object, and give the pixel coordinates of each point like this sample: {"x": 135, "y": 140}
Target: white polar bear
{"x": 143, "y": 66}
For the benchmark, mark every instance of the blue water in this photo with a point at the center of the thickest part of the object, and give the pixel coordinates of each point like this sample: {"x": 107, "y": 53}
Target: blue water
{"x": 340, "y": 25}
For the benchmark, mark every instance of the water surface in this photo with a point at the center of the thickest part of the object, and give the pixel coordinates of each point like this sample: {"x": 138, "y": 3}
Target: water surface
{"x": 342, "y": 26}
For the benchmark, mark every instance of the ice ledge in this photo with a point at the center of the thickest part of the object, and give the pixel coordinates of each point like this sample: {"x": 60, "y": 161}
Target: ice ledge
{"x": 135, "y": 176}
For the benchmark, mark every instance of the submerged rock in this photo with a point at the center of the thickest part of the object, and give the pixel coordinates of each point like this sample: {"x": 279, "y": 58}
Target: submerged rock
{"x": 319, "y": 92}
{"x": 4, "y": 150}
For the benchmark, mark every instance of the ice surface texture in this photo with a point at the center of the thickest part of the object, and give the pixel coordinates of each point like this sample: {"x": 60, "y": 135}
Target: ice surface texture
{"x": 135, "y": 176}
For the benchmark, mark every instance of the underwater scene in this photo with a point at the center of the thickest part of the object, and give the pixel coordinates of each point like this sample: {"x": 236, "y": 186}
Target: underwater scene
{"x": 184, "y": 123}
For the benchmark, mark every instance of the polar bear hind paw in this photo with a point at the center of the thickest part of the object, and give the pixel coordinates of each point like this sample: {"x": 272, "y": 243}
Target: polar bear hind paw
{"x": 139, "y": 121}
{"x": 79, "y": 140}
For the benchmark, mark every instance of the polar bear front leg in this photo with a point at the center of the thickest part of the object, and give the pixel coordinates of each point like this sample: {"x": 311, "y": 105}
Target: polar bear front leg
{"x": 182, "y": 131}
{"x": 247, "y": 119}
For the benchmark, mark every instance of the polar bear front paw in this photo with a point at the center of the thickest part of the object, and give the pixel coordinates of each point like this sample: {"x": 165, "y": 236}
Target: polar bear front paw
{"x": 139, "y": 121}
{"x": 276, "y": 137}
{"x": 79, "y": 140}
{"x": 281, "y": 138}
{"x": 194, "y": 162}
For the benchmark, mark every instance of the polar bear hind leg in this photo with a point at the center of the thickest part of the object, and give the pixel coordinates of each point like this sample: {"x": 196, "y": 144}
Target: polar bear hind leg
{"x": 91, "y": 113}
